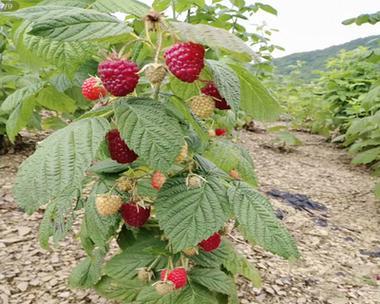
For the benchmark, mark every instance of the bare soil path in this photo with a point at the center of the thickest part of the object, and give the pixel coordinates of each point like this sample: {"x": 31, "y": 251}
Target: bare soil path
{"x": 339, "y": 264}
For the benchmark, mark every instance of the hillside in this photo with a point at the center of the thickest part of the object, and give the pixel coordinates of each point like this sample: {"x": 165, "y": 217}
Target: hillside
{"x": 315, "y": 60}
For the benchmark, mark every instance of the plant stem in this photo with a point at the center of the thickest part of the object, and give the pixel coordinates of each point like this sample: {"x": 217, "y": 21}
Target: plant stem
{"x": 173, "y": 9}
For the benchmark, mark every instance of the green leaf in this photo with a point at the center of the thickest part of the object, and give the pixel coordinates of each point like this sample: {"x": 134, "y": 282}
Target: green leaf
{"x": 19, "y": 118}
{"x": 258, "y": 223}
{"x": 238, "y": 264}
{"x": 99, "y": 228}
{"x": 227, "y": 156}
{"x": 58, "y": 218}
{"x": 255, "y": 99}
{"x": 183, "y": 109}
{"x": 367, "y": 156}
{"x": 51, "y": 99}
{"x": 189, "y": 216}
{"x": 214, "y": 258}
{"x": 213, "y": 37}
{"x": 80, "y": 25}
{"x": 161, "y": 5}
{"x": 125, "y": 291}
{"x": 213, "y": 279}
{"x": 227, "y": 82}
{"x": 65, "y": 55}
{"x": 267, "y": 8}
{"x": 14, "y": 99}
{"x": 149, "y": 295}
{"x": 108, "y": 166}
{"x": 149, "y": 131}
{"x": 183, "y": 90}
{"x": 132, "y": 7}
{"x": 59, "y": 163}
{"x": 88, "y": 272}
{"x": 137, "y": 255}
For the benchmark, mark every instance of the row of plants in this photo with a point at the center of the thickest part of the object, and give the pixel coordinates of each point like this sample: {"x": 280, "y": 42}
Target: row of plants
{"x": 165, "y": 180}
{"x": 343, "y": 103}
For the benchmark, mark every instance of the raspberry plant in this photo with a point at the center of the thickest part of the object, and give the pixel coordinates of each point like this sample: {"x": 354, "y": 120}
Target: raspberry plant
{"x": 158, "y": 184}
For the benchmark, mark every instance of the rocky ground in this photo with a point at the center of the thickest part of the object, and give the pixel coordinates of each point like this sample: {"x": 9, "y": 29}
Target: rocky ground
{"x": 340, "y": 246}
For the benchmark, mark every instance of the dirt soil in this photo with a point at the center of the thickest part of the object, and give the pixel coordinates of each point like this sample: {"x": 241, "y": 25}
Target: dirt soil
{"x": 339, "y": 264}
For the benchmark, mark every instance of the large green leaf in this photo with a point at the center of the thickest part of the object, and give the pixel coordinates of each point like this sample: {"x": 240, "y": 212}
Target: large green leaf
{"x": 52, "y": 99}
{"x": 214, "y": 258}
{"x": 228, "y": 156}
{"x": 367, "y": 156}
{"x": 364, "y": 18}
{"x": 258, "y": 223}
{"x": 88, "y": 272}
{"x": 255, "y": 98}
{"x": 123, "y": 290}
{"x": 59, "y": 163}
{"x": 140, "y": 254}
{"x": 80, "y": 25}
{"x": 213, "y": 37}
{"x": 189, "y": 216}
{"x": 238, "y": 264}
{"x": 19, "y": 118}
{"x": 227, "y": 82}
{"x": 58, "y": 218}
{"x": 132, "y": 7}
{"x": 148, "y": 130}
{"x": 182, "y": 110}
{"x": 212, "y": 278}
{"x": 14, "y": 99}
{"x": 65, "y": 55}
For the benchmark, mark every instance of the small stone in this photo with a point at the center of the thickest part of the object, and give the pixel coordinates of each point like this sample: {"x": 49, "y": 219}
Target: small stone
{"x": 23, "y": 286}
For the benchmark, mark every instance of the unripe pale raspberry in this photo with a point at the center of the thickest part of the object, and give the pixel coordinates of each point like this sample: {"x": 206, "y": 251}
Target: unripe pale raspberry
{"x": 212, "y": 243}
{"x": 119, "y": 76}
{"x": 124, "y": 184}
{"x": 144, "y": 275}
{"x": 211, "y": 90}
{"x": 192, "y": 251}
{"x": 182, "y": 154}
{"x": 185, "y": 60}
{"x": 193, "y": 181}
{"x": 164, "y": 288}
{"x": 155, "y": 73}
{"x": 202, "y": 106}
{"x": 108, "y": 204}
{"x": 93, "y": 89}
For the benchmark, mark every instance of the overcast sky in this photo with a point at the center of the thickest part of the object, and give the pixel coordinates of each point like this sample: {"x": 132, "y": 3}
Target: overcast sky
{"x": 306, "y": 25}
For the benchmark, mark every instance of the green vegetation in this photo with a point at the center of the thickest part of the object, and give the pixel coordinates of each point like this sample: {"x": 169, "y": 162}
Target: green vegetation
{"x": 316, "y": 60}
{"x": 343, "y": 103}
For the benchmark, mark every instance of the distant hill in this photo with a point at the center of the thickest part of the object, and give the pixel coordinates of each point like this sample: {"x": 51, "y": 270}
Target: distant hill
{"x": 315, "y": 60}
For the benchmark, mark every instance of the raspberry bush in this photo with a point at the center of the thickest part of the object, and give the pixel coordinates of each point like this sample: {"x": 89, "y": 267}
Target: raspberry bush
{"x": 142, "y": 169}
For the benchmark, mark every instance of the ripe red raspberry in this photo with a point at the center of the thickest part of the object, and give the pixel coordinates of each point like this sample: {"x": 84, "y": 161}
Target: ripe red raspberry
{"x": 119, "y": 76}
{"x": 158, "y": 179}
{"x": 211, "y": 90}
{"x": 185, "y": 60}
{"x": 93, "y": 89}
{"x": 220, "y": 132}
{"x": 212, "y": 243}
{"x": 134, "y": 215}
{"x": 177, "y": 276}
{"x": 118, "y": 148}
